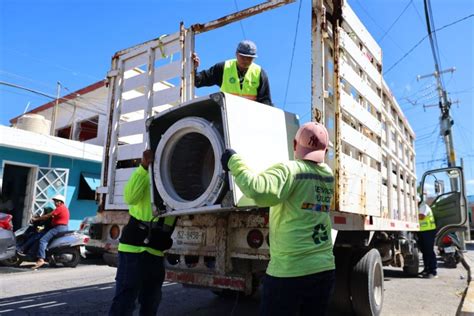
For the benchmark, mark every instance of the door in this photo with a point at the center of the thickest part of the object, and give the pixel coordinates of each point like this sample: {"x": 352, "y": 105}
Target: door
{"x": 443, "y": 190}
{"x": 16, "y": 192}
{"x": 49, "y": 182}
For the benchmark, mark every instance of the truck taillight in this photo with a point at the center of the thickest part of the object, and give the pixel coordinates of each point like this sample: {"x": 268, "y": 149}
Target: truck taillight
{"x": 255, "y": 238}
{"x": 114, "y": 232}
{"x": 6, "y": 222}
{"x": 447, "y": 240}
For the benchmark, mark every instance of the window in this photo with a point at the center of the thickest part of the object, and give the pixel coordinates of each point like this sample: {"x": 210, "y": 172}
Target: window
{"x": 88, "y": 183}
{"x": 64, "y": 132}
{"x": 87, "y": 129}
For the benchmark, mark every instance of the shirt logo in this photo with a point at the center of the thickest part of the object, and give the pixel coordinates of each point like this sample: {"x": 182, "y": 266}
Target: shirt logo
{"x": 232, "y": 80}
{"x": 320, "y": 234}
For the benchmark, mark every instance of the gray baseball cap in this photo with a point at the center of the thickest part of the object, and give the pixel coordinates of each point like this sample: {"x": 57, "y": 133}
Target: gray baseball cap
{"x": 247, "y": 48}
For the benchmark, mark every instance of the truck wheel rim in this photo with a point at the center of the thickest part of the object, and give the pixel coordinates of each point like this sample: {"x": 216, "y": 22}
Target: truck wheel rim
{"x": 378, "y": 284}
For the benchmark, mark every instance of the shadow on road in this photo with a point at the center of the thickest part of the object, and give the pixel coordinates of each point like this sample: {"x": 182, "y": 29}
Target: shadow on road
{"x": 26, "y": 266}
{"x": 82, "y": 300}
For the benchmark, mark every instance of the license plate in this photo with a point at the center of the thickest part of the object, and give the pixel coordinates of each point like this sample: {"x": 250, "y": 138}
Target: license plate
{"x": 189, "y": 236}
{"x": 449, "y": 249}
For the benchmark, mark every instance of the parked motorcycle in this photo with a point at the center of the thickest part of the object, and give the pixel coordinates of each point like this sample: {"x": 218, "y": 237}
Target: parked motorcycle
{"x": 449, "y": 248}
{"x": 64, "y": 248}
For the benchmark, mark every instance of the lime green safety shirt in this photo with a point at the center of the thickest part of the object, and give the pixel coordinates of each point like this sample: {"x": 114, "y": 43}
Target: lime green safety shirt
{"x": 231, "y": 82}
{"x": 137, "y": 196}
{"x": 299, "y": 195}
{"x": 428, "y": 222}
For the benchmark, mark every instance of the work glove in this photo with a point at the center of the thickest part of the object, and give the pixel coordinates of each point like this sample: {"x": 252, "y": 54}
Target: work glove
{"x": 226, "y": 157}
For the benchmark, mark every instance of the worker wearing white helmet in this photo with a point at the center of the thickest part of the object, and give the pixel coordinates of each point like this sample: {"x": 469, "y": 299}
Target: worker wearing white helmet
{"x": 59, "y": 223}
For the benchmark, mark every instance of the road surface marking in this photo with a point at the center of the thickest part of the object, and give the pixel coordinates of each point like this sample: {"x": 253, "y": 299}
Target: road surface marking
{"x": 82, "y": 289}
{"x": 6, "y": 310}
{"x": 168, "y": 284}
{"x": 54, "y": 305}
{"x": 35, "y": 305}
{"x": 16, "y": 302}
{"x": 105, "y": 287}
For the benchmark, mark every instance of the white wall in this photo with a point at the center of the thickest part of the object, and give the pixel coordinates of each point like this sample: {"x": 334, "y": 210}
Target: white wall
{"x": 86, "y": 106}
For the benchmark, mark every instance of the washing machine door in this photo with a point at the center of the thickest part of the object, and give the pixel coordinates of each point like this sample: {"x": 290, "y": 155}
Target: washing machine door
{"x": 188, "y": 142}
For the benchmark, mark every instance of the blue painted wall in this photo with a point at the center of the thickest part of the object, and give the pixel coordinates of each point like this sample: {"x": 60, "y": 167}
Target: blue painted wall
{"x": 78, "y": 208}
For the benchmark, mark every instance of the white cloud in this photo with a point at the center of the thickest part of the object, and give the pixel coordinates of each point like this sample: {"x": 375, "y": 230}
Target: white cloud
{"x": 470, "y": 182}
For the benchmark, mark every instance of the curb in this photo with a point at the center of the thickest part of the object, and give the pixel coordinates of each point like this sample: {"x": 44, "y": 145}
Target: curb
{"x": 467, "y": 303}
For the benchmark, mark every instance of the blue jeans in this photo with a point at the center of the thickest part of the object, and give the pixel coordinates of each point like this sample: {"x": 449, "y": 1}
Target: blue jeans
{"x": 138, "y": 275}
{"x": 304, "y": 295}
{"x": 426, "y": 240}
{"x": 25, "y": 247}
{"x": 43, "y": 243}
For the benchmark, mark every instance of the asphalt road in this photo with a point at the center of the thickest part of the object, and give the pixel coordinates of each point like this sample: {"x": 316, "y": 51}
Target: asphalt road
{"x": 88, "y": 290}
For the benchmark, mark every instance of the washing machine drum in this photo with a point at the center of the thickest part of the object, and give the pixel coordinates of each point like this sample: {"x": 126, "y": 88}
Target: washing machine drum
{"x": 187, "y": 167}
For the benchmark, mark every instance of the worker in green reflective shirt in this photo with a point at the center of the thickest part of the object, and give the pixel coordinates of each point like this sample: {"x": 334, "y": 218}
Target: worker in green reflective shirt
{"x": 300, "y": 275}
{"x": 140, "y": 271}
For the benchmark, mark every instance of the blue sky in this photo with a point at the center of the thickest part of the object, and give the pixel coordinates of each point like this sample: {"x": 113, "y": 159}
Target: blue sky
{"x": 45, "y": 41}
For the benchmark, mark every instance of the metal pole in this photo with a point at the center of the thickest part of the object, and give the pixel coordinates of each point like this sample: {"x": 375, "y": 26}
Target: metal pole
{"x": 467, "y": 233}
{"x": 73, "y": 122}
{"x": 55, "y": 110}
{"x": 445, "y": 119}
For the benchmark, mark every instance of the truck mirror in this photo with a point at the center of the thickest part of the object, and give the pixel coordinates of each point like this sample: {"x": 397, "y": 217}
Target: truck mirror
{"x": 439, "y": 187}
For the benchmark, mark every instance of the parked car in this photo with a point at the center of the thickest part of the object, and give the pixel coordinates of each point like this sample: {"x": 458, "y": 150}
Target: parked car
{"x": 7, "y": 238}
{"x": 84, "y": 228}
{"x": 86, "y": 224}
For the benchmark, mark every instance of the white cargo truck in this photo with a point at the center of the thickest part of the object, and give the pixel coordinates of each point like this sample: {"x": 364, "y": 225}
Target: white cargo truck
{"x": 221, "y": 238}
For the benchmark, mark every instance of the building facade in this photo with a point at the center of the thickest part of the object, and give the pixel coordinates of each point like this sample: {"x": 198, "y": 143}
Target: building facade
{"x": 35, "y": 166}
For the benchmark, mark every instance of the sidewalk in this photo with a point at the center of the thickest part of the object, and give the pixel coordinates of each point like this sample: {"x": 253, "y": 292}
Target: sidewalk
{"x": 467, "y": 304}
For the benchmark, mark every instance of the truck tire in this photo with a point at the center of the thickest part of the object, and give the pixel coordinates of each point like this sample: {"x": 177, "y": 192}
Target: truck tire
{"x": 226, "y": 293}
{"x": 340, "y": 303}
{"x": 367, "y": 284}
{"x": 412, "y": 264}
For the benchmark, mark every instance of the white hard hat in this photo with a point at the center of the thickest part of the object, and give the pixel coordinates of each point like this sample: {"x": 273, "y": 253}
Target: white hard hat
{"x": 59, "y": 197}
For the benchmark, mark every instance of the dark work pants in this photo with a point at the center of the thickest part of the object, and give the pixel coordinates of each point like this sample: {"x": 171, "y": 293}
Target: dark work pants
{"x": 426, "y": 240}
{"x": 305, "y": 295}
{"x": 138, "y": 275}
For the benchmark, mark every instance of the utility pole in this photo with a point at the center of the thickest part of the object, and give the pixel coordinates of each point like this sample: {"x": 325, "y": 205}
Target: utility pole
{"x": 73, "y": 122}
{"x": 445, "y": 119}
{"x": 55, "y": 110}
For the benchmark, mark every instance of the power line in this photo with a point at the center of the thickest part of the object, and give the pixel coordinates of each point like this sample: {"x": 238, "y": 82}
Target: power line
{"x": 375, "y": 22}
{"x": 420, "y": 41}
{"x": 240, "y": 21}
{"x": 72, "y": 71}
{"x": 48, "y": 96}
{"x": 292, "y": 54}
{"x": 394, "y": 22}
{"x": 417, "y": 13}
{"x": 433, "y": 38}
{"x": 89, "y": 101}
{"x": 25, "y": 78}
